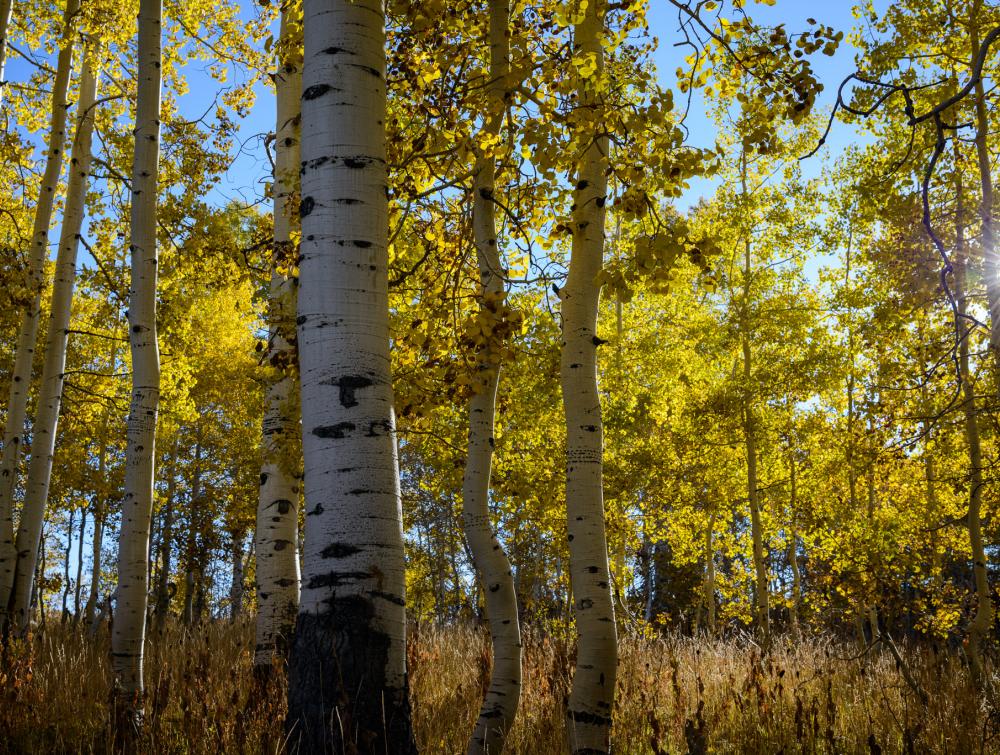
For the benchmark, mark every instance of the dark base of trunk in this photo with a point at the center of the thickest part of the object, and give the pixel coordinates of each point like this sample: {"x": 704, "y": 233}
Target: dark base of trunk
{"x": 338, "y": 702}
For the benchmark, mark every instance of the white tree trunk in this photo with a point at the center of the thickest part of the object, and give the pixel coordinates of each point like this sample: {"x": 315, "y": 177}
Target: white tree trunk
{"x": 276, "y": 541}
{"x": 492, "y": 566}
{"x": 347, "y": 670}
{"x": 591, "y": 699}
{"x": 51, "y": 387}
{"x": 137, "y": 507}
{"x": 20, "y": 383}
{"x": 6, "y": 6}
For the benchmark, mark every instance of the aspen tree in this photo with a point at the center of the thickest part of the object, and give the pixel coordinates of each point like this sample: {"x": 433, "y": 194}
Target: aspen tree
{"x": 591, "y": 700}
{"x": 982, "y": 620}
{"x": 762, "y": 592}
{"x": 276, "y": 539}
{"x": 133, "y": 545}
{"x": 51, "y": 386}
{"x": 6, "y": 8}
{"x": 20, "y": 384}
{"x": 492, "y": 566}
{"x": 347, "y": 667}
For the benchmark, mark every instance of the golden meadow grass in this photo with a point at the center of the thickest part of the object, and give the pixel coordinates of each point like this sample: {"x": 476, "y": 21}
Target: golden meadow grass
{"x": 675, "y": 695}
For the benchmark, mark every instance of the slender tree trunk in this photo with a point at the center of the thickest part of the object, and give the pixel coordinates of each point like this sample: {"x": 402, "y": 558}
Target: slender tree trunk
{"x": 762, "y": 597}
{"x": 66, "y": 561}
{"x": 793, "y": 545}
{"x": 347, "y": 669}
{"x": 137, "y": 507}
{"x": 44, "y": 428}
{"x": 981, "y": 622}
{"x": 709, "y": 590}
{"x": 20, "y": 383}
{"x": 79, "y": 565}
{"x": 276, "y": 541}
{"x": 99, "y": 503}
{"x": 591, "y": 700}
{"x": 985, "y": 161}
{"x": 236, "y": 586}
{"x": 492, "y": 566}
{"x": 193, "y": 559}
{"x": 163, "y": 593}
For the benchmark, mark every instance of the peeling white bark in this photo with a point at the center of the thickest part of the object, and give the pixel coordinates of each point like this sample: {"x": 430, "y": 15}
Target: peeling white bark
{"x": 591, "y": 699}
{"x": 20, "y": 383}
{"x": 50, "y": 390}
{"x": 137, "y": 507}
{"x": 492, "y": 566}
{"x": 348, "y": 659}
{"x": 276, "y": 541}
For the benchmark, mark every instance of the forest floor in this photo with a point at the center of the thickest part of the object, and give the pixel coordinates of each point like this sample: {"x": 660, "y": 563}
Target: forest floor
{"x": 675, "y": 695}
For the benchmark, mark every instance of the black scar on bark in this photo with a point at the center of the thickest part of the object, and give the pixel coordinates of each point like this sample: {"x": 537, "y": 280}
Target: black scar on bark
{"x": 337, "y": 672}
{"x": 339, "y": 430}
{"x": 306, "y": 206}
{"x": 316, "y": 90}
{"x": 349, "y": 385}
{"x": 339, "y": 550}
{"x": 355, "y": 163}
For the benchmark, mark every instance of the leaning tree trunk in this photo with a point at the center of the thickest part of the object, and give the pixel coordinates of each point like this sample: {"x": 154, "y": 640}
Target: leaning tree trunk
{"x": 137, "y": 507}
{"x": 20, "y": 382}
{"x": 588, "y": 714}
{"x": 492, "y": 566}
{"x": 276, "y": 538}
{"x": 347, "y": 669}
{"x": 43, "y": 434}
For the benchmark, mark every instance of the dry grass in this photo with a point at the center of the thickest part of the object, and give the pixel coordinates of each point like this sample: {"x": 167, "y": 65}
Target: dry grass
{"x": 675, "y": 695}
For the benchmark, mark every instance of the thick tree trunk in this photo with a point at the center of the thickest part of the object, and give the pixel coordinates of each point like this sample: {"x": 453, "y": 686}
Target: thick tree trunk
{"x": 137, "y": 507}
{"x": 591, "y": 700}
{"x": 6, "y": 6}
{"x": 43, "y": 433}
{"x": 276, "y": 543}
{"x": 492, "y": 566}
{"x": 20, "y": 383}
{"x": 347, "y": 669}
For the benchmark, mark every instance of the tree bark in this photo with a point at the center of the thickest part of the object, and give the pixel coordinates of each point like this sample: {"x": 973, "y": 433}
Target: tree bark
{"x": 44, "y": 428}
{"x": 492, "y": 565}
{"x": 137, "y": 507}
{"x": 591, "y": 700}
{"x": 983, "y": 619}
{"x": 762, "y": 592}
{"x": 347, "y": 668}
{"x": 163, "y": 593}
{"x": 20, "y": 383}
{"x": 6, "y": 6}
{"x": 63, "y": 614}
{"x": 79, "y": 565}
{"x": 276, "y": 542}
{"x": 99, "y": 504}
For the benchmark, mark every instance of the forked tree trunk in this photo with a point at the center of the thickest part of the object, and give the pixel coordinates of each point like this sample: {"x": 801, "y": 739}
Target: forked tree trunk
{"x": 492, "y": 566}
{"x": 347, "y": 669}
{"x": 137, "y": 507}
{"x": 43, "y": 435}
{"x": 588, "y": 714}
{"x": 276, "y": 538}
{"x": 20, "y": 382}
